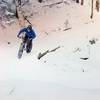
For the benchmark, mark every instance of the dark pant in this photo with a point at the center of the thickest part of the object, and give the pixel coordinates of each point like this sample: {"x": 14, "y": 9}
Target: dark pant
{"x": 28, "y": 43}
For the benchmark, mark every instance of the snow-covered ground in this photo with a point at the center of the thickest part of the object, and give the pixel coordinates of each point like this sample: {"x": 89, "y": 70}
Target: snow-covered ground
{"x": 71, "y": 72}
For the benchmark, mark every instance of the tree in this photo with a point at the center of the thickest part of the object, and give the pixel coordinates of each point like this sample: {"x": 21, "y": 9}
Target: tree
{"x": 82, "y": 2}
{"x": 40, "y": 1}
{"x": 92, "y": 9}
{"x": 19, "y": 2}
{"x": 97, "y": 5}
{"x": 77, "y": 1}
{"x": 16, "y": 14}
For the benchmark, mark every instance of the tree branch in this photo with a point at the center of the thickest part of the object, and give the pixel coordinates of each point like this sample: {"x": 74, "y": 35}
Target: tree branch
{"x": 53, "y": 4}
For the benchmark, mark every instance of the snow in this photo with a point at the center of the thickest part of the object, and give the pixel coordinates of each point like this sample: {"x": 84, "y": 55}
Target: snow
{"x": 59, "y": 75}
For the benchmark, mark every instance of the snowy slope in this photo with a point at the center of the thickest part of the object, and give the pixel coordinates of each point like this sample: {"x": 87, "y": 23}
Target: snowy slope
{"x": 59, "y": 75}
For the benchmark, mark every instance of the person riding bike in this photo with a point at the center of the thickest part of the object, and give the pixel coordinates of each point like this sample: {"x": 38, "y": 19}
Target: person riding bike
{"x": 27, "y": 34}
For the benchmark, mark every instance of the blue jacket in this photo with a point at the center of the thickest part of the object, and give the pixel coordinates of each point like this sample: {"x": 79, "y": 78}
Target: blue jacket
{"x": 30, "y": 34}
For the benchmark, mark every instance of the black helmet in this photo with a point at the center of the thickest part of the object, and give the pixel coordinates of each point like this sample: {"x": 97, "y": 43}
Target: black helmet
{"x": 29, "y": 27}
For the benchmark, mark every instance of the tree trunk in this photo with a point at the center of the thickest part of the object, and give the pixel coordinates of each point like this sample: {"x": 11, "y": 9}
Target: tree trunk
{"x": 19, "y": 2}
{"x": 19, "y": 13}
{"x": 77, "y": 1}
{"x": 40, "y": 1}
{"x": 97, "y": 5}
{"x": 16, "y": 14}
{"x": 92, "y": 9}
{"x": 82, "y": 2}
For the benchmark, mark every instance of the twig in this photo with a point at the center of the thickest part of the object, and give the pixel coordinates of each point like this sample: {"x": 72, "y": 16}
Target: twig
{"x": 77, "y": 49}
{"x": 42, "y": 54}
{"x": 12, "y": 90}
{"x": 54, "y": 49}
{"x": 2, "y": 25}
{"x": 27, "y": 20}
{"x": 67, "y": 29}
{"x": 50, "y": 5}
{"x": 84, "y": 58}
{"x": 25, "y": 3}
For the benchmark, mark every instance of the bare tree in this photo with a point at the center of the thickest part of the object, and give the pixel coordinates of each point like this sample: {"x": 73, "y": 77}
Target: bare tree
{"x": 40, "y": 1}
{"x": 92, "y": 9}
{"x": 97, "y": 5}
{"x": 77, "y": 1}
{"x": 82, "y": 2}
{"x": 16, "y": 14}
{"x": 19, "y": 2}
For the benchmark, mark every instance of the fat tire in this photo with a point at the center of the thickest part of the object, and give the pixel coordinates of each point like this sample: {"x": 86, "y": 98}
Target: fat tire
{"x": 20, "y": 52}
